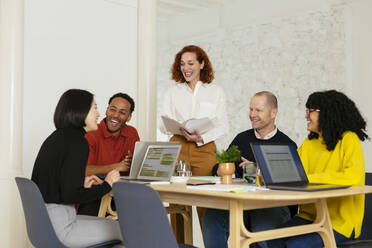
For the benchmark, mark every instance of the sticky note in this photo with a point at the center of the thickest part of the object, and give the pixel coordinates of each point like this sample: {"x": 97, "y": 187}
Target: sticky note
{"x": 238, "y": 190}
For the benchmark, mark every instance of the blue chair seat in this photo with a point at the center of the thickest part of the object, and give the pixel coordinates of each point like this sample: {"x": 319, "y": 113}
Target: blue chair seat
{"x": 142, "y": 217}
{"x": 39, "y": 227}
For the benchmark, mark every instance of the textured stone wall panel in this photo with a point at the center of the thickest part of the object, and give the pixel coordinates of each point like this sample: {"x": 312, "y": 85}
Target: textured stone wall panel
{"x": 292, "y": 57}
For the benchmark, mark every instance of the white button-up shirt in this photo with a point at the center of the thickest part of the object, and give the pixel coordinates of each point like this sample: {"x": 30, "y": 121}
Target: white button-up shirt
{"x": 208, "y": 100}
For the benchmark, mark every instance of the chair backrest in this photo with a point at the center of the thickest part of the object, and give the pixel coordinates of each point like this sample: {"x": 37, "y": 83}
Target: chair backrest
{"x": 142, "y": 217}
{"x": 39, "y": 227}
{"x": 367, "y": 221}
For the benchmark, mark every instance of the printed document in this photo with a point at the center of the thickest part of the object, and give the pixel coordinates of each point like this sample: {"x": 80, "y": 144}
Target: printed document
{"x": 227, "y": 187}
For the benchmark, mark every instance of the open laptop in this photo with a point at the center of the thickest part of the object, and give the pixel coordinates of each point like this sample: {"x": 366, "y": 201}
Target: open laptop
{"x": 281, "y": 168}
{"x": 157, "y": 164}
{"x": 140, "y": 149}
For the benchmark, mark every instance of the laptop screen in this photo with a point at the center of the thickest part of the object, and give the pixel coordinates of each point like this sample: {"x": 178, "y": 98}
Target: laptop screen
{"x": 140, "y": 149}
{"x": 159, "y": 162}
{"x": 279, "y": 163}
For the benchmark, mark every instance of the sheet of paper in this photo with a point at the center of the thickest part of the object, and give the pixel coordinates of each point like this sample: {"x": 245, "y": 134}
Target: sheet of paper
{"x": 159, "y": 182}
{"x": 202, "y": 125}
{"x": 226, "y": 187}
{"x": 171, "y": 125}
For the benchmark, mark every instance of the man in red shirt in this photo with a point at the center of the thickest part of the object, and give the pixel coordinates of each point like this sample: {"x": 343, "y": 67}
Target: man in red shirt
{"x": 111, "y": 146}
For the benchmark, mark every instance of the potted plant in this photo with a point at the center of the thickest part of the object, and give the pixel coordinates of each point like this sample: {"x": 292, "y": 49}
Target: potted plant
{"x": 226, "y": 161}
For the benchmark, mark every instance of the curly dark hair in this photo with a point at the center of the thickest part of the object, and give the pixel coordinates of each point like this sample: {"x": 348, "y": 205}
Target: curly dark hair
{"x": 337, "y": 114}
{"x": 206, "y": 74}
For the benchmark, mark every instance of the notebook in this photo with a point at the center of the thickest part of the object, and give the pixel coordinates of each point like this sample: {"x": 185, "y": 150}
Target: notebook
{"x": 157, "y": 163}
{"x": 281, "y": 168}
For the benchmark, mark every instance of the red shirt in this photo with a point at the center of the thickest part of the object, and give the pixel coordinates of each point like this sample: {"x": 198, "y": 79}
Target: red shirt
{"x": 105, "y": 148}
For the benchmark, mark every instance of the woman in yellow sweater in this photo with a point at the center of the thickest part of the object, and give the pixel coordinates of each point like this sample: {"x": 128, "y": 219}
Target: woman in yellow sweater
{"x": 332, "y": 153}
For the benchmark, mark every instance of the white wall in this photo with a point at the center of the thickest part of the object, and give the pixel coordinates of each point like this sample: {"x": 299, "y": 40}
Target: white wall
{"x": 361, "y": 50}
{"x": 291, "y": 48}
{"x": 88, "y": 44}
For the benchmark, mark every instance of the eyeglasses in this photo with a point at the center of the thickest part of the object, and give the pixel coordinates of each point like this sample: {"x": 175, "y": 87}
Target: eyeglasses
{"x": 310, "y": 110}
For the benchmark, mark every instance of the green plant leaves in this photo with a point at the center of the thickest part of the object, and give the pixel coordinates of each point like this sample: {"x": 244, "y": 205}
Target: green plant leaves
{"x": 230, "y": 155}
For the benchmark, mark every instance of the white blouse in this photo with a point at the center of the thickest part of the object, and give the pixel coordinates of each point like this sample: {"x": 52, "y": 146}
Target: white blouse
{"x": 207, "y": 100}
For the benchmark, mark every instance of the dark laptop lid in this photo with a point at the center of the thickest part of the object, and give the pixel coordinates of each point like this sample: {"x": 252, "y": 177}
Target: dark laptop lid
{"x": 279, "y": 163}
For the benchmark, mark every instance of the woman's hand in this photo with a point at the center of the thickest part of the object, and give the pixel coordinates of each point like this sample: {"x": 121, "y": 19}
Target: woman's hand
{"x": 194, "y": 137}
{"x": 90, "y": 180}
{"x": 112, "y": 177}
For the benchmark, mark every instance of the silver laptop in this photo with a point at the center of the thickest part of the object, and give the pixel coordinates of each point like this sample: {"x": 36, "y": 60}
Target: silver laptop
{"x": 157, "y": 164}
{"x": 281, "y": 168}
{"x": 140, "y": 149}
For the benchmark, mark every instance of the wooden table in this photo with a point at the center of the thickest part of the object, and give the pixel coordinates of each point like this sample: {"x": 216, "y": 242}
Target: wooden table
{"x": 237, "y": 202}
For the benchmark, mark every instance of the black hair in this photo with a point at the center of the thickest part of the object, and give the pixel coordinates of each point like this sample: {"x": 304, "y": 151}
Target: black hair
{"x": 72, "y": 108}
{"x": 337, "y": 114}
{"x": 126, "y": 97}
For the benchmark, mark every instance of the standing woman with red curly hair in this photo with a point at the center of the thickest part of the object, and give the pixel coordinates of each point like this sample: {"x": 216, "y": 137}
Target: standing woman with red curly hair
{"x": 194, "y": 96}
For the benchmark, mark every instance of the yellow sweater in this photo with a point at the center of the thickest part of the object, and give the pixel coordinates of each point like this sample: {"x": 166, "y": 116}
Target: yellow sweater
{"x": 344, "y": 166}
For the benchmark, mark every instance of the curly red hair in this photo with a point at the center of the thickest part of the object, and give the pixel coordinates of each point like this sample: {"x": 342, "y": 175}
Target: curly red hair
{"x": 206, "y": 74}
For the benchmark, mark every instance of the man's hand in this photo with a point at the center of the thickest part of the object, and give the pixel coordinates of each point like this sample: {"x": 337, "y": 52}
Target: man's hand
{"x": 244, "y": 160}
{"x": 128, "y": 159}
{"x": 194, "y": 137}
{"x": 121, "y": 166}
{"x": 90, "y": 180}
{"x": 125, "y": 164}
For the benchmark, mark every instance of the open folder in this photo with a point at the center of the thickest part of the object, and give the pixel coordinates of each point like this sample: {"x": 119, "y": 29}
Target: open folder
{"x": 201, "y": 126}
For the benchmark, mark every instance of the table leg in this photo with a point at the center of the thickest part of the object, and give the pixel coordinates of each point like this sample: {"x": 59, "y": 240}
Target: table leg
{"x": 187, "y": 221}
{"x": 323, "y": 216}
{"x": 321, "y": 225}
{"x": 236, "y": 220}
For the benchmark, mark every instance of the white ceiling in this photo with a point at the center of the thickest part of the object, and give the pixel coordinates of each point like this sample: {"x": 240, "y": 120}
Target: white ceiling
{"x": 168, "y": 8}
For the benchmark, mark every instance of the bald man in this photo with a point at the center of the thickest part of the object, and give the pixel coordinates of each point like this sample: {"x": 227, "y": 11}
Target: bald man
{"x": 263, "y": 110}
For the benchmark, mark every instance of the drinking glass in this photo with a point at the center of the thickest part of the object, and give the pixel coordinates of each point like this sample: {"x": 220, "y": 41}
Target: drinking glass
{"x": 250, "y": 172}
{"x": 183, "y": 169}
